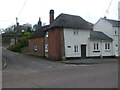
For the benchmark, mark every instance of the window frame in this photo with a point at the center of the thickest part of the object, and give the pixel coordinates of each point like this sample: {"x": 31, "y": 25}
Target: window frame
{"x": 46, "y": 48}
{"x": 116, "y": 31}
{"x": 107, "y": 46}
{"x": 76, "y": 49}
{"x": 75, "y": 32}
{"x": 96, "y": 47}
{"x": 47, "y": 34}
{"x": 35, "y": 47}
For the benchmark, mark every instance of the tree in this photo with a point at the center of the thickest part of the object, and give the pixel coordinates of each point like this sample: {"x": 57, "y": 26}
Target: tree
{"x": 28, "y": 26}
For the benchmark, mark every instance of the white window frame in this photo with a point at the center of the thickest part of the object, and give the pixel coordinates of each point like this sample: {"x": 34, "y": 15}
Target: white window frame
{"x": 96, "y": 47}
{"x": 76, "y": 49}
{"x": 116, "y": 31}
{"x": 35, "y": 47}
{"x": 47, "y": 34}
{"x": 107, "y": 46}
{"x": 46, "y": 48}
{"x": 75, "y": 32}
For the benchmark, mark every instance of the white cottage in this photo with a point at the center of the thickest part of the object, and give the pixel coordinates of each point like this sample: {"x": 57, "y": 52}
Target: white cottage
{"x": 110, "y": 28}
{"x": 100, "y": 44}
{"x": 71, "y": 36}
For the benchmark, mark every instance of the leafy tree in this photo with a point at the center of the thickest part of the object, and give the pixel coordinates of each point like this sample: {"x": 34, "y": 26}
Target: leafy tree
{"x": 24, "y": 40}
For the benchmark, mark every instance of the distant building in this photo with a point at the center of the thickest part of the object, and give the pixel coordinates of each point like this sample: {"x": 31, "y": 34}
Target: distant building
{"x": 20, "y": 29}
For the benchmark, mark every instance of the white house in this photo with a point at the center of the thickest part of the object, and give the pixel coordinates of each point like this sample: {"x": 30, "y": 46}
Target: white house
{"x": 73, "y": 37}
{"x": 110, "y": 28}
{"x": 100, "y": 44}
{"x": 70, "y": 36}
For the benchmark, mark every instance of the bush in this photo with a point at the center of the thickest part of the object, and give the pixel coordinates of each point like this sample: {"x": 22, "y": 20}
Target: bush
{"x": 23, "y": 41}
{"x": 16, "y": 48}
{"x": 11, "y": 48}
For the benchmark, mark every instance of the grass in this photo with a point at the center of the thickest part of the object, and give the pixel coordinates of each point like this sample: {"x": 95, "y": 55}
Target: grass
{"x": 36, "y": 56}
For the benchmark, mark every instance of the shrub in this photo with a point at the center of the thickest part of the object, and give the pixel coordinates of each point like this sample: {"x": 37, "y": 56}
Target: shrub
{"x": 23, "y": 41}
{"x": 11, "y": 48}
{"x": 16, "y": 48}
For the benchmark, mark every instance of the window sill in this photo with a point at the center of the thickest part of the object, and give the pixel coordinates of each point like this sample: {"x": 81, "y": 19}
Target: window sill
{"x": 96, "y": 51}
{"x": 76, "y": 52}
{"x": 107, "y": 50}
{"x": 75, "y": 34}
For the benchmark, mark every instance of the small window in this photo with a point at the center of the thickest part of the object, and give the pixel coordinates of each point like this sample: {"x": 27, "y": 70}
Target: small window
{"x": 35, "y": 47}
{"x": 96, "y": 46}
{"x": 69, "y": 46}
{"x": 75, "y": 32}
{"x": 107, "y": 46}
{"x": 23, "y": 31}
{"x": 116, "y": 31}
{"x": 46, "y": 48}
{"x": 75, "y": 49}
{"x": 46, "y": 34}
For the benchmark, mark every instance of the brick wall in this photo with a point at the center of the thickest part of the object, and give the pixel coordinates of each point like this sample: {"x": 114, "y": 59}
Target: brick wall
{"x": 40, "y": 43}
{"x": 62, "y": 44}
{"x": 56, "y": 44}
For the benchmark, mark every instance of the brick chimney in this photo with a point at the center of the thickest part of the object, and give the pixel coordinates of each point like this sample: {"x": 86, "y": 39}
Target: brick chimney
{"x": 39, "y": 22}
{"x": 51, "y": 15}
{"x": 17, "y": 23}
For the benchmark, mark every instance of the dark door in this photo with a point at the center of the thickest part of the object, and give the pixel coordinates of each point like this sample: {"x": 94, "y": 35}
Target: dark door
{"x": 83, "y": 51}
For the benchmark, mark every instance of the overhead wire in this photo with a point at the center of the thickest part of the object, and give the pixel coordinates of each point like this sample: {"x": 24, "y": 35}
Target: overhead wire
{"x": 22, "y": 8}
{"x": 107, "y": 11}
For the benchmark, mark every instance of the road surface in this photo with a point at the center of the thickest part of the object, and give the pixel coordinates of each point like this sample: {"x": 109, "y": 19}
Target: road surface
{"x": 30, "y": 72}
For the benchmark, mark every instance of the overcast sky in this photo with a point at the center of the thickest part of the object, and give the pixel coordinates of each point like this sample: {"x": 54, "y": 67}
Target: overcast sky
{"x": 90, "y": 10}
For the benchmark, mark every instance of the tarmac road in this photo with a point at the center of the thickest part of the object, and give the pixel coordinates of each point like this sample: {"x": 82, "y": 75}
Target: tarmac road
{"x": 30, "y": 72}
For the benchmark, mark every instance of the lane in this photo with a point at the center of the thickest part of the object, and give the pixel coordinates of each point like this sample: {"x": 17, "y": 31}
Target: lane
{"x": 30, "y": 72}
{"x": 17, "y": 61}
{"x": 95, "y": 76}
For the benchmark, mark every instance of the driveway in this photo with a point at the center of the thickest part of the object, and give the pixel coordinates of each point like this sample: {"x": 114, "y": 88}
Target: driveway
{"x": 30, "y": 72}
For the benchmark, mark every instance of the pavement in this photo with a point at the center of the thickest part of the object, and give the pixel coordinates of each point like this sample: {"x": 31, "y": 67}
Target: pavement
{"x": 90, "y": 61}
{"x": 25, "y": 71}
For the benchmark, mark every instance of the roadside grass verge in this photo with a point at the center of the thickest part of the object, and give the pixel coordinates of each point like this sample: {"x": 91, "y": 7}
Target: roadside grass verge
{"x": 36, "y": 56}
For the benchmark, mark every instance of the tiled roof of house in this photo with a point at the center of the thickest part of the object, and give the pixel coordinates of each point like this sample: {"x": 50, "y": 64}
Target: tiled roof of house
{"x": 40, "y": 32}
{"x": 71, "y": 21}
{"x": 97, "y": 35}
{"x": 113, "y": 22}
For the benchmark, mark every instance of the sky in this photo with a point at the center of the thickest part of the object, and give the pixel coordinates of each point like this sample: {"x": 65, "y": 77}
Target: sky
{"x": 29, "y": 11}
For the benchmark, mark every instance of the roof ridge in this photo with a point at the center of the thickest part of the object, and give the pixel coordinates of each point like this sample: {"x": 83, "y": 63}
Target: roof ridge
{"x": 111, "y": 19}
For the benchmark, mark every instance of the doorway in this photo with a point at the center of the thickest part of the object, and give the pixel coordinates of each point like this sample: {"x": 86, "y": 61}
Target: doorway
{"x": 83, "y": 51}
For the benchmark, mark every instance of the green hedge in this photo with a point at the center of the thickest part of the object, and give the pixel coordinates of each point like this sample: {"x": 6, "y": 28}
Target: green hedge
{"x": 16, "y": 48}
{"x": 23, "y": 42}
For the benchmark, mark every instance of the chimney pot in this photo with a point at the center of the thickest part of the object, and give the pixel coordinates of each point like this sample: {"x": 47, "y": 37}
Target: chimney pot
{"x": 105, "y": 17}
{"x": 17, "y": 24}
